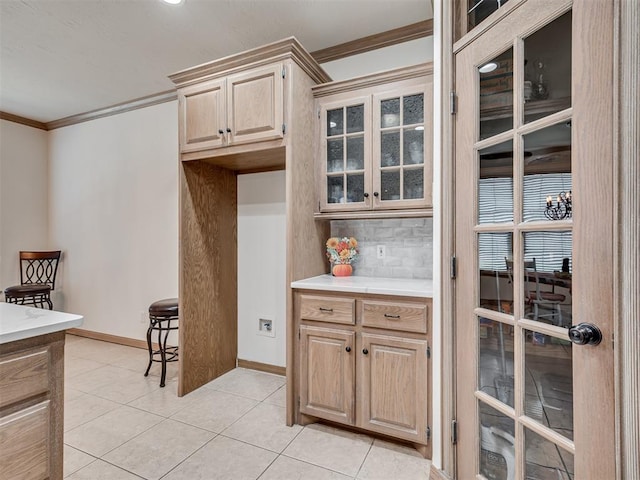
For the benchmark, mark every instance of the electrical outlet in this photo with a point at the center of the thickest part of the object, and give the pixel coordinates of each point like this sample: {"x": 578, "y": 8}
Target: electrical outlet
{"x": 381, "y": 251}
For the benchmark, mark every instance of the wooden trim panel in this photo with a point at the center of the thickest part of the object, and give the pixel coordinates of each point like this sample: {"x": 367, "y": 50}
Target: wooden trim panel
{"x": 106, "y": 337}
{"x": 437, "y": 474}
{"x": 10, "y": 117}
{"x": 262, "y": 367}
{"x": 412, "y": 31}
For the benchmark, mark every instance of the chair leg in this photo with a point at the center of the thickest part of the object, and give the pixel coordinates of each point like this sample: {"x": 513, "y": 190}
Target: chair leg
{"x": 150, "y": 351}
{"x": 49, "y": 302}
{"x": 163, "y": 356}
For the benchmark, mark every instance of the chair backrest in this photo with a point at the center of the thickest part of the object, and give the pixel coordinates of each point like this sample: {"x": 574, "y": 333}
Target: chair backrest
{"x": 39, "y": 267}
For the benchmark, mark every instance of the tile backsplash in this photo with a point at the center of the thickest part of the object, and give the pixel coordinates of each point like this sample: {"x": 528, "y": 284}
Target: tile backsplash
{"x": 408, "y": 243}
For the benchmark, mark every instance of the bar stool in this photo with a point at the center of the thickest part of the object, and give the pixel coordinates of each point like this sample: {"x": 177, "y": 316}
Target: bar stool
{"x": 163, "y": 318}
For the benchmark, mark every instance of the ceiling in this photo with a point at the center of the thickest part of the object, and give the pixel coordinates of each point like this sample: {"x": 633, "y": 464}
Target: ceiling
{"x": 60, "y": 58}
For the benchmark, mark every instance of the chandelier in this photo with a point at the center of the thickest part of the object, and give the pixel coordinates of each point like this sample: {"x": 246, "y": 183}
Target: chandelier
{"x": 562, "y": 208}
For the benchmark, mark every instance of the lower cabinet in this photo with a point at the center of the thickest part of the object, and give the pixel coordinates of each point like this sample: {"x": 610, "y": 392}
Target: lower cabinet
{"x": 371, "y": 379}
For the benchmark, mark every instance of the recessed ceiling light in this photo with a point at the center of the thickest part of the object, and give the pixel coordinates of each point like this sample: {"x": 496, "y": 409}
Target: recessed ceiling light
{"x": 173, "y": 2}
{"x": 487, "y": 67}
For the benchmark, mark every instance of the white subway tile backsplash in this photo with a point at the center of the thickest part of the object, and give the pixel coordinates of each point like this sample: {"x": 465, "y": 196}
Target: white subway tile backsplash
{"x": 408, "y": 242}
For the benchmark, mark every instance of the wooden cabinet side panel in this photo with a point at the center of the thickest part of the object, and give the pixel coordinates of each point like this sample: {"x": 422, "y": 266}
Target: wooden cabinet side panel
{"x": 393, "y": 390}
{"x": 208, "y": 274}
{"x": 327, "y": 382}
{"x": 23, "y": 375}
{"x": 255, "y": 109}
{"x": 25, "y": 440}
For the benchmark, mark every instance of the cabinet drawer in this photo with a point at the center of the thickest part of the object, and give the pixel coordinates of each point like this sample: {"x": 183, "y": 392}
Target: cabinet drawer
{"x": 408, "y": 317}
{"x": 327, "y": 309}
{"x": 23, "y": 375}
{"x": 24, "y": 443}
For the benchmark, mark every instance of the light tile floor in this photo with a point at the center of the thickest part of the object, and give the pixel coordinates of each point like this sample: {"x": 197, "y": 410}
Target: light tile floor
{"x": 121, "y": 425}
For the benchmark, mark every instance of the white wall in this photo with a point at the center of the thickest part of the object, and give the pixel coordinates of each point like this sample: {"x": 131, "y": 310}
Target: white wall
{"x": 23, "y": 196}
{"x": 395, "y": 56}
{"x": 261, "y": 266}
{"x": 114, "y": 210}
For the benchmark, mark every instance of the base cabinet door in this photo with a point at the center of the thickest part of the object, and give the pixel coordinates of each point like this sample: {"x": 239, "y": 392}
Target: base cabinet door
{"x": 393, "y": 386}
{"x": 327, "y": 382}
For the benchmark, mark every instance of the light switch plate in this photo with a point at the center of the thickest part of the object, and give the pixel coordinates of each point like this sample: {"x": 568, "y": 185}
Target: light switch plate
{"x": 381, "y": 251}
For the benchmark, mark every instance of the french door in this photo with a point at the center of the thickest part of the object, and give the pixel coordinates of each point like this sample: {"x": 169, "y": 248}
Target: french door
{"x": 534, "y": 244}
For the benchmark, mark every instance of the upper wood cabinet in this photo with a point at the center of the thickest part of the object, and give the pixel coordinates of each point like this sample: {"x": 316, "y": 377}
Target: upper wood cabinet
{"x": 237, "y": 104}
{"x": 242, "y": 108}
{"x": 374, "y": 142}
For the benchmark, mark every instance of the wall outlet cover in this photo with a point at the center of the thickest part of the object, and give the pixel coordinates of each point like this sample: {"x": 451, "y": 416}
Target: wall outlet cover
{"x": 266, "y": 327}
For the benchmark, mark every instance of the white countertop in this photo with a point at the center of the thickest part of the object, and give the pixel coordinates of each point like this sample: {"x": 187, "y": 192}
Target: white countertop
{"x": 18, "y": 322}
{"x": 377, "y": 286}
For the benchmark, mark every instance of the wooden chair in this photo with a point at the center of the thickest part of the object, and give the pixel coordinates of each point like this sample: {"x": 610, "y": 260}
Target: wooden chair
{"x": 37, "y": 279}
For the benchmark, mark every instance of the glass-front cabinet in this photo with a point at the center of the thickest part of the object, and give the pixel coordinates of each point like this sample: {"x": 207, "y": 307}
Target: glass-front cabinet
{"x": 374, "y": 136}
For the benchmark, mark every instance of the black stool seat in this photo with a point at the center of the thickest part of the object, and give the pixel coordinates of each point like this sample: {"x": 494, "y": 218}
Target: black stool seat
{"x": 163, "y": 318}
{"x": 28, "y": 289}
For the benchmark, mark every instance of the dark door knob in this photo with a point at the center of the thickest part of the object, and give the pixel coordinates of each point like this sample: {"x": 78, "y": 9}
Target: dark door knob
{"x": 228, "y": 130}
{"x": 585, "y": 334}
{"x": 365, "y": 351}
{"x": 366, "y": 195}
{"x": 221, "y": 132}
{"x": 376, "y": 194}
{"x": 348, "y": 349}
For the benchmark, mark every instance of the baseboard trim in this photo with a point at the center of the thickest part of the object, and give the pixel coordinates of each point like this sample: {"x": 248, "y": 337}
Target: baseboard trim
{"x": 262, "y": 367}
{"x": 437, "y": 474}
{"x": 106, "y": 337}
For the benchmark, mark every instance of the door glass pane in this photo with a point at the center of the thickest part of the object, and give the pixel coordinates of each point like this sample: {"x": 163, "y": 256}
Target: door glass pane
{"x": 335, "y": 189}
{"x": 497, "y": 445}
{"x": 355, "y": 119}
{"x": 335, "y": 122}
{"x": 390, "y": 181}
{"x": 547, "y": 174}
{"x": 335, "y": 155}
{"x": 355, "y": 188}
{"x": 549, "y": 381}
{"x": 547, "y": 277}
{"x": 478, "y": 10}
{"x": 390, "y": 149}
{"x": 413, "y": 185}
{"x": 496, "y": 95}
{"x": 495, "y": 370}
{"x": 355, "y": 153}
{"x": 547, "y": 69}
{"x": 495, "y": 185}
{"x": 390, "y": 113}
{"x": 545, "y": 460}
{"x": 413, "y": 147}
{"x": 496, "y": 285}
{"x": 413, "y": 109}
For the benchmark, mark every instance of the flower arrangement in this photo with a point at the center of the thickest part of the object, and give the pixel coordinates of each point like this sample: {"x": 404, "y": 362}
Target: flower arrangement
{"x": 341, "y": 252}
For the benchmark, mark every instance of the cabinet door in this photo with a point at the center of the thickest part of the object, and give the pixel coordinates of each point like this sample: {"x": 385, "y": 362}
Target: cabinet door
{"x": 327, "y": 382}
{"x": 255, "y": 105}
{"x": 402, "y": 153}
{"x": 345, "y": 158}
{"x": 202, "y": 116}
{"x": 393, "y": 378}
{"x": 24, "y": 437}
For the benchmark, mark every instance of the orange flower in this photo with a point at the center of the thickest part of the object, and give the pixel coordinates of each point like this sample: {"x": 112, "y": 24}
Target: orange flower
{"x": 342, "y": 246}
{"x": 332, "y": 242}
{"x": 344, "y": 254}
{"x": 353, "y": 243}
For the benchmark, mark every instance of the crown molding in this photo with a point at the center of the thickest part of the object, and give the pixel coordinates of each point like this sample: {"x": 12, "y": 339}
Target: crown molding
{"x": 22, "y": 120}
{"x": 373, "y": 42}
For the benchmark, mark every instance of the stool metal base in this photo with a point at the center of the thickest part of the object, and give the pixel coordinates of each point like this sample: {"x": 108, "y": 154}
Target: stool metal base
{"x": 162, "y": 325}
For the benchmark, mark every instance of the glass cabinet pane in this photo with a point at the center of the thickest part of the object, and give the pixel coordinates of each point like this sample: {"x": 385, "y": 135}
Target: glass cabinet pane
{"x": 390, "y": 185}
{"x": 355, "y": 119}
{"x": 335, "y": 189}
{"x": 390, "y": 149}
{"x": 335, "y": 122}
{"x": 413, "y": 184}
{"x": 390, "y": 113}
{"x": 355, "y": 153}
{"x": 413, "y": 147}
{"x": 413, "y": 109}
{"x": 335, "y": 155}
{"x": 355, "y": 188}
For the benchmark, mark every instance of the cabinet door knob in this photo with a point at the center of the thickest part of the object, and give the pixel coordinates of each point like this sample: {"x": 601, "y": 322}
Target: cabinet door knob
{"x": 221, "y": 132}
{"x": 376, "y": 194}
{"x": 365, "y": 351}
{"x": 366, "y": 195}
{"x": 228, "y": 130}
{"x": 348, "y": 349}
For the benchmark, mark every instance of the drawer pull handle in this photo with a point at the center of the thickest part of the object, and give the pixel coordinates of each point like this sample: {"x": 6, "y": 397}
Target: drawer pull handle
{"x": 348, "y": 349}
{"x": 386, "y": 315}
{"x": 328, "y": 310}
